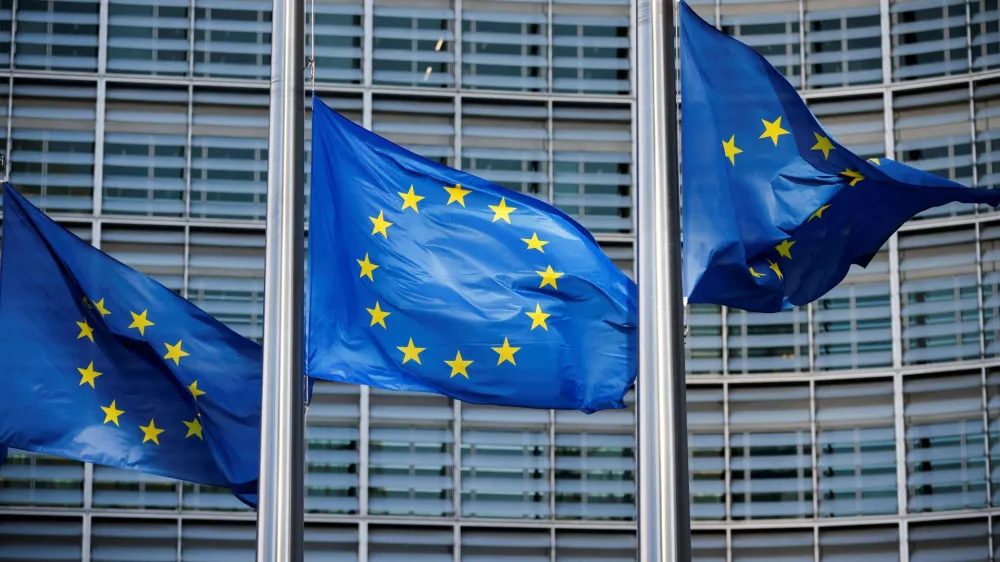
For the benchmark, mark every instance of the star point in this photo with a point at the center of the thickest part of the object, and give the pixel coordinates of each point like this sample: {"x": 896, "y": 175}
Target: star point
{"x": 380, "y": 225}
{"x": 410, "y": 200}
{"x": 175, "y": 352}
{"x": 88, "y": 375}
{"x": 410, "y": 351}
{"x": 534, "y": 243}
{"x": 194, "y": 428}
{"x": 819, "y": 213}
{"x": 875, "y": 161}
{"x": 824, "y": 144}
{"x": 538, "y": 317}
{"x": 774, "y": 267}
{"x": 506, "y": 352}
{"x": 151, "y": 432}
{"x": 140, "y": 322}
{"x": 111, "y": 413}
{"x": 100, "y": 308}
{"x": 549, "y": 277}
{"x": 457, "y": 194}
{"x": 85, "y": 330}
{"x": 773, "y": 130}
{"x": 729, "y": 147}
{"x": 367, "y": 268}
{"x": 785, "y": 248}
{"x": 855, "y": 176}
{"x": 459, "y": 365}
{"x": 756, "y": 274}
{"x": 195, "y": 391}
{"x": 378, "y": 315}
{"x": 502, "y": 211}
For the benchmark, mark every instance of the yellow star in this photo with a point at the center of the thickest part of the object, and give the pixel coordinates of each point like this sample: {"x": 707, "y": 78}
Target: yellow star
{"x": 549, "y": 277}
{"x": 151, "y": 432}
{"x": 378, "y": 315}
{"x": 367, "y": 268}
{"x": 534, "y": 243}
{"x": 100, "y": 308}
{"x": 111, "y": 413}
{"x": 855, "y": 176}
{"x": 195, "y": 391}
{"x": 824, "y": 144}
{"x": 85, "y": 330}
{"x": 773, "y": 130}
{"x": 88, "y": 375}
{"x": 506, "y": 352}
{"x": 458, "y": 365}
{"x": 194, "y": 428}
{"x": 785, "y": 248}
{"x": 457, "y": 194}
{"x": 774, "y": 267}
{"x": 410, "y": 199}
{"x": 502, "y": 211}
{"x": 538, "y": 317}
{"x": 380, "y": 225}
{"x": 819, "y": 213}
{"x": 755, "y": 274}
{"x": 140, "y": 321}
{"x": 729, "y": 147}
{"x": 175, "y": 352}
{"x": 875, "y": 161}
{"x": 411, "y": 352}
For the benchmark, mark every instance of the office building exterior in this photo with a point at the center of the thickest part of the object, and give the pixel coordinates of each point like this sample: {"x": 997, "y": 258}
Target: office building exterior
{"x": 862, "y": 427}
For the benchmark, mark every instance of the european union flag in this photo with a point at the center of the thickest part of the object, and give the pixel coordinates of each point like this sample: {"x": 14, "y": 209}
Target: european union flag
{"x": 424, "y": 278}
{"x": 101, "y": 364}
{"x": 775, "y": 210}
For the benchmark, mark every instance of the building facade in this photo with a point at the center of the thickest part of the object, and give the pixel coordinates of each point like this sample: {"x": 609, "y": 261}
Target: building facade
{"x": 862, "y": 427}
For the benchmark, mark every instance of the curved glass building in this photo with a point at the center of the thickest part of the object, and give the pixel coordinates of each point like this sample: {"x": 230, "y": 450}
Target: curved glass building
{"x": 865, "y": 426}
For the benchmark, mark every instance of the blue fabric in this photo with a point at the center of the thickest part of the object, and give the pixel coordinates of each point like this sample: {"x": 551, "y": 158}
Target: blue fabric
{"x": 65, "y": 314}
{"x": 458, "y": 279}
{"x": 779, "y": 223}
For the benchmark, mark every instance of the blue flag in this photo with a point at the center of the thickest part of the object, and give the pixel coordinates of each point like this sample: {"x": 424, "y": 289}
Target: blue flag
{"x": 99, "y": 363}
{"x": 775, "y": 210}
{"x": 424, "y": 278}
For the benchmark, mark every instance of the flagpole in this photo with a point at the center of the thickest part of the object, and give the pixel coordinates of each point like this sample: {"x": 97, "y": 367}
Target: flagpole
{"x": 664, "y": 512}
{"x": 280, "y": 526}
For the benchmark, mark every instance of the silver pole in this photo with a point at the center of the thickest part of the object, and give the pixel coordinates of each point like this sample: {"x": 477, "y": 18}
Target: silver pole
{"x": 279, "y": 515}
{"x": 664, "y": 512}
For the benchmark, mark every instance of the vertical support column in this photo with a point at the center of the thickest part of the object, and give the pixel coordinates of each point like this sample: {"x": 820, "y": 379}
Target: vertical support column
{"x": 100, "y": 106}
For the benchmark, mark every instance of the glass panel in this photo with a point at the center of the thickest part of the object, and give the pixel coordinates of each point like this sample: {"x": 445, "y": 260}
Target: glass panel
{"x": 595, "y": 464}
{"x": 52, "y": 145}
{"x": 504, "y": 45}
{"x": 522, "y": 545}
{"x": 708, "y": 547}
{"x": 928, "y": 38}
{"x": 770, "y": 452}
{"x": 703, "y": 344}
{"x": 148, "y": 36}
{"x": 932, "y": 134}
{"x": 706, "y": 452}
{"x": 771, "y": 28}
{"x": 411, "y": 454}
{"x": 507, "y": 144}
{"x": 590, "y": 46}
{"x": 339, "y": 32}
{"x": 993, "y": 426}
{"x": 583, "y": 546}
{"x": 989, "y": 244}
{"x": 118, "y": 488}
{"x": 985, "y": 20}
{"x": 425, "y": 126}
{"x": 505, "y": 473}
{"x": 30, "y": 479}
{"x": 864, "y": 544}
{"x": 855, "y": 433}
{"x": 783, "y": 546}
{"x": 232, "y": 39}
{"x": 145, "y": 151}
{"x": 57, "y": 35}
{"x": 857, "y": 123}
{"x": 413, "y": 43}
{"x": 332, "y": 439}
{"x": 6, "y": 27}
{"x": 987, "y": 105}
{"x": 843, "y": 43}
{"x": 150, "y": 540}
{"x": 202, "y": 541}
{"x": 938, "y": 294}
{"x": 400, "y": 544}
{"x": 768, "y": 343}
{"x": 20, "y": 536}
{"x": 945, "y": 452}
{"x": 950, "y": 541}
{"x": 592, "y": 155}
{"x": 157, "y": 252}
{"x": 332, "y": 542}
{"x": 229, "y": 154}
{"x": 226, "y": 277}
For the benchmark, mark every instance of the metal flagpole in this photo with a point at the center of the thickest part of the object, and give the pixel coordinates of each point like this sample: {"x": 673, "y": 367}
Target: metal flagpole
{"x": 664, "y": 512}
{"x": 280, "y": 500}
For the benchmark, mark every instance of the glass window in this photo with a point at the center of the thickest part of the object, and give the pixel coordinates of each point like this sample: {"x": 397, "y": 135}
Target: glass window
{"x": 504, "y": 45}
{"x": 57, "y": 35}
{"x": 155, "y": 251}
{"x": 939, "y": 295}
{"x": 52, "y": 144}
{"x": 855, "y": 434}
{"x": 332, "y": 542}
{"x": 145, "y": 151}
{"x": 150, "y": 540}
{"x": 33, "y": 480}
{"x": 592, "y": 156}
{"x": 878, "y": 544}
{"x": 229, "y": 154}
{"x": 985, "y": 28}
{"x": 226, "y": 277}
{"x": 928, "y": 38}
{"x": 993, "y": 427}
{"x": 410, "y": 454}
{"x": 585, "y": 546}
{"x": 987, "y": 105}
{"x": 790, "y": 546}
{"x": 843, "y": 43}
{"x": 396, "y": 543}
{"x": 210, "y": 540}
{"x": 425, "y": 126}
{"x": 706, "y": 451}
{"x": 332, "y": 439}
{"x": 20, "y": 536}
{"x": 857, "y": 123}
{"x": 232, "y": 39}
{"x": 413, "y": 43}
{"x": 950, "y": 541}
{"x": 505, "y": 472}
{"x": 148, "y": 36}
{"x": 703, "y": 344}
{"x": 507, "y": 144}
{"x": 595, "y": 464}
{"x": 989, "y": 243}
{"x": 118, "y": 489}
{"x": 771, "y": 28}
{"x": 339, "y": 31}
{"x": 523, "y": 545}
{"x": 933, "y": 134}
{"x": 708, "y": 547}
{"x": 6, "y": 26}
{"x": 767, "y": 343}
{"x": 590, "y": 47}
{"x": 945, "y": 452}
{"x": 770, "y": 451}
